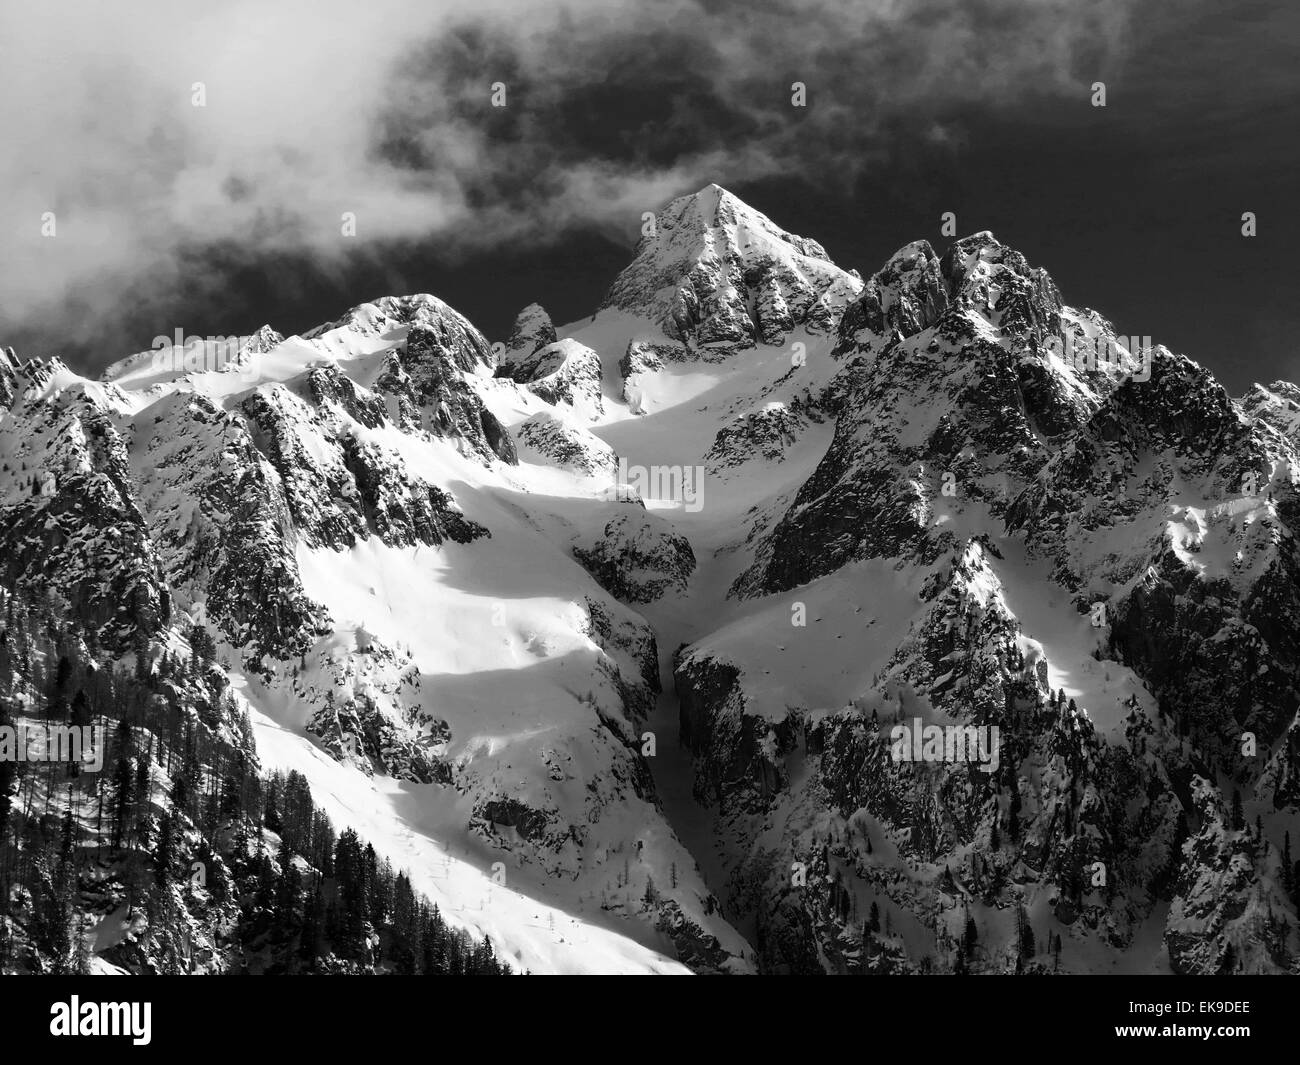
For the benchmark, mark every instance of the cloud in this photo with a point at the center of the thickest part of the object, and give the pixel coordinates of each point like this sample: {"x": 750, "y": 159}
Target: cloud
{"x": 313, "y": 108}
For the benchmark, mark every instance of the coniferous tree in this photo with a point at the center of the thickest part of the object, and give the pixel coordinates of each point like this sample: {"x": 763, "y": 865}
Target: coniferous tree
{"x": 8, "y": 785}
{"x": 1288, "y": 872}
{"x": 313, "y": 928}
{"x": 123, "y": 798}
{"x": 288, "y": 890}
{"x": 143, "y": 782}
{"x": 81, "y": 716}
{"x": 1028, "y": 945}
{"x": 164, "y": 853}
{"x": 271, "y": 816}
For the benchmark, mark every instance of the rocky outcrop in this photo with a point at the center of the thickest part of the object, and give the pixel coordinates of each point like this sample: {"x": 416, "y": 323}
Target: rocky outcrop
{"x": 558, "y": 443}
{"x": 8, "y": 376}
{"x": 443, "y": 331}
{"x": 532, "y": 331}
{"x": 641, "y": 359}
{"x": 1226, "y": 914}
{"x": 370, "y": 714}
{"x": 330, "y": 388}
{"x": 695, "y": 948}
{"x": 739, "y": 755}
{"x": 953, "y": 410}
{"x": 761, "y": 435}
{"x": 561, "y": 372}
{"x": 425, "y": 379}
{"x": 70, "y": 519}
{"x": 715, "y": 273}
{"x": 1207, "y": 596}
{"x": 638, "y": 558}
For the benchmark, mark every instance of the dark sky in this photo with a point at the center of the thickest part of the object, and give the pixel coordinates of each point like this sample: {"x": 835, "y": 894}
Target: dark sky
{"x": 1135, "y": 208}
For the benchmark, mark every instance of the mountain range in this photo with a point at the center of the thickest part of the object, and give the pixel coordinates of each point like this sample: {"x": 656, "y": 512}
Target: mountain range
{"x": 605, "y": 632}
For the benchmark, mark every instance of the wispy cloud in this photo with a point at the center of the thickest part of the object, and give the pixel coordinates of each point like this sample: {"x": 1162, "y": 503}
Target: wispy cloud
{"x": 383, "y": 109}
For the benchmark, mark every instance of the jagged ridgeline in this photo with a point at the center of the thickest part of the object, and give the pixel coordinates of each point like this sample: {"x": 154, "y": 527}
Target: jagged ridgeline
{"x": 1016, "y": 501}
{"x": 550, "y": 619}
{"x": 152, "y": 843}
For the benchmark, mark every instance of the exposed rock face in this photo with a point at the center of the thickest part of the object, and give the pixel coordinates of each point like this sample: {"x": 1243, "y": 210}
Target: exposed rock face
{"x": 631, "y": 656}
{"x": 224, "y": 530}
{"x": 318, "y": 488}
{"x": 1207, "y": 595}
{"x": 426, "y": 380}
{"x": 329, "y": 388}
{"x": 717, "y": 273}
{"x": 371, "y": 715}
{"x": 739, "y": 759}
{"x": 1059, "y": 801}
{"x": 398, "y": 508}
{"x": 907, "y": 295}
{"x": 570, "y": 446}
{"x": 447, "y": 333}
{"x": 264, "y": 340}
{"x": 71, "y": 521}
{"x": 216, "y": 502}
{"x": 695, "y": 947}
{"x": 563, "y": 371}
{"x": 638, "y": 558}
{"x": 760, "y": 435}
{"x": 423, "y": 380}
{"x": 1227, "y": 883}
{"x": 969, "y": 396}
{"x": 532, "y": 331}
{"x": 642, "y": 359}
{"x": 8, "y": 376}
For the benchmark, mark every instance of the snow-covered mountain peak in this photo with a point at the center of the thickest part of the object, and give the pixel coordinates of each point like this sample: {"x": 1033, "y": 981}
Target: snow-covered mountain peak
{"x": 723, "y": 215}
{"x": 711, "y": 270}
{"x": 1277, "y": 405}
{"x": 391, "y": 317}
{"x": 987, "y": 283}
{"x": 263, "y": 340}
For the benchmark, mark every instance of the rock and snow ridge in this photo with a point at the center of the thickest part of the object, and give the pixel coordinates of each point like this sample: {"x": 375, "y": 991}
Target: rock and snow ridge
{"x": 443, "y": 610}
{"x": 714, "y": 272}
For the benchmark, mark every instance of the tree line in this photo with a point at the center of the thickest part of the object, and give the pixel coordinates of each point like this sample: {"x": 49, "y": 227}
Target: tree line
{"x": 180, "y": 855}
